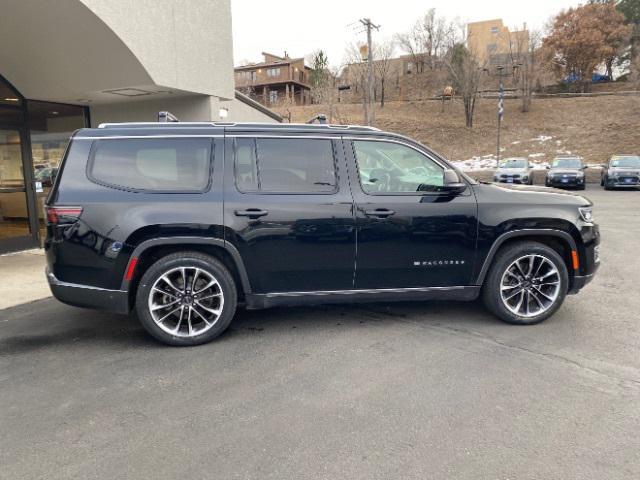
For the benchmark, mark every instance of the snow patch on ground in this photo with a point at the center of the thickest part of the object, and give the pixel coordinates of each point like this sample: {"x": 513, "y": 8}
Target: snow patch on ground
{"x": 542, "y": 138}
{"x": 536, "y": 155}
{"x": 488, "y": 162}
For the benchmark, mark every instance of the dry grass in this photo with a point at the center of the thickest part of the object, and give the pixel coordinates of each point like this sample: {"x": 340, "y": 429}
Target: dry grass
{"x": 594, "y": 127}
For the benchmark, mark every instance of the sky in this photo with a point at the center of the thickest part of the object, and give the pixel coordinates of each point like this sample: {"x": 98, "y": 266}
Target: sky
{"x": 302, "y": 26}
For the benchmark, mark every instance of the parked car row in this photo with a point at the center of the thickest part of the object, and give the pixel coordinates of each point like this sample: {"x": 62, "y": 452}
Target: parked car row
{"x": 568, "y": 172}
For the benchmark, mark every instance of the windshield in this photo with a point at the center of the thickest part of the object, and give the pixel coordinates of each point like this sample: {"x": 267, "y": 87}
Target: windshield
{"x": 514, "y": 163}
{"x": 625, "y": 162}
{"x": 567, "y": 163}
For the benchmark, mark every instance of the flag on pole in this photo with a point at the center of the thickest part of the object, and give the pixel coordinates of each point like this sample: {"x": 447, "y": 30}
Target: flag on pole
{"x": 501, "y": 103}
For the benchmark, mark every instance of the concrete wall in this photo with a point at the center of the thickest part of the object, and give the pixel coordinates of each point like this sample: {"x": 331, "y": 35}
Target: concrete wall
{"x": 183, "y": 44}
{"x": 188, "y": 109}
{"x": 241, "y": 112}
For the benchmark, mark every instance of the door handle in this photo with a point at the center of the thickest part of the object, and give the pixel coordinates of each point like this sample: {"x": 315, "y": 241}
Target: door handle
{"x": 379, "y": 212}
{"x": 252, "y": 213}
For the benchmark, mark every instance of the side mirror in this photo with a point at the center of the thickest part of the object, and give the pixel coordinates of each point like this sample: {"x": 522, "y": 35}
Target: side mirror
{"x": 453, "y": 183}
{"x": 547, "y": 167}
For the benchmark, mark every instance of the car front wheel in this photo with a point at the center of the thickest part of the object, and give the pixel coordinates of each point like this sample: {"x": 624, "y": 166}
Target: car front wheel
{"x": 526, "y": 284}
{"x": 186, "y": 298}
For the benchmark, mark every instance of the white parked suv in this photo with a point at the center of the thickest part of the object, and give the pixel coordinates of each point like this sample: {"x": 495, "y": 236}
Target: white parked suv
{"x": 514, "y": 170}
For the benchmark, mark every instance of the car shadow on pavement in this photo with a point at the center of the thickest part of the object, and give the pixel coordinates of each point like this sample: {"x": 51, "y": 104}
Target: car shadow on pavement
{"x": 46, "y": 325}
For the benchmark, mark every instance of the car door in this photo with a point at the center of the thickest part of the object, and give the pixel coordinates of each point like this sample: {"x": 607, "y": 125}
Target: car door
{"x": 289, "y": 212}
{"x": 409, "y": 232}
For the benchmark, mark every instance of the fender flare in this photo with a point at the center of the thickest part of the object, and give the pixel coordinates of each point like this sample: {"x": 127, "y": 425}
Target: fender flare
{"x": 547, "y": 232}
{"x": 218, "y": 242}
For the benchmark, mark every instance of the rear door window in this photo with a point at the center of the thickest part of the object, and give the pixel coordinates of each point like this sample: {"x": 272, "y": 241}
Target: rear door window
{"x": 289, "y": 165}
{"x": 156, "y": 165}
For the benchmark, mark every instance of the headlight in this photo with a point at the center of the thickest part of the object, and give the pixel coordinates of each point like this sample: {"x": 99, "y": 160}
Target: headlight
{"x": 525, "y": 178}
{"x": 580, "y": 174}
{"x": 587, "y": 214}
{"x": 549, "y": 175}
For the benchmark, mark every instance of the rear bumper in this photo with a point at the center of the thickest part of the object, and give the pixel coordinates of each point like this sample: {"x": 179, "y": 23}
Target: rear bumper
{"x": 115, "y": 301}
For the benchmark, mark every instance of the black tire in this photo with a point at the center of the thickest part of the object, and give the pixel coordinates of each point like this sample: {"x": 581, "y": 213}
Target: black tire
{"x": 206, "y": 263}
{"x": 602, "y": 181}
{"x": 582, "y": 187}
{"x": 491, "y": 290}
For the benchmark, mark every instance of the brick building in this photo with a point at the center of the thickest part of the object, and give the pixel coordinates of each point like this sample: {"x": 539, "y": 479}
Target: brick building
{"x": 276, "y": 80}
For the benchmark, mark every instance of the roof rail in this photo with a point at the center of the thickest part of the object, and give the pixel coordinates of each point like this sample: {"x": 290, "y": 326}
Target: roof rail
{"x": 275, "y": 126}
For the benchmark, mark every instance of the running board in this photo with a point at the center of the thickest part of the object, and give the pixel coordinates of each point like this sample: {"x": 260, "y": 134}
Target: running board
{"x": 267, "y": 300}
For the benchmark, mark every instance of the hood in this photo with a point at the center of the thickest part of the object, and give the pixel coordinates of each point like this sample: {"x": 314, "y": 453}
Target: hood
{"x": 533, "y": 192}
{"x": 625, "y": 169}
{"x": 511, "y": 171}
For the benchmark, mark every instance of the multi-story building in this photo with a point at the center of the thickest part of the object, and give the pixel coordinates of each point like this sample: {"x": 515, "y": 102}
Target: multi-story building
{"x": 275, "y": 80}
{"x": 495, "y": 44}
{"x": 70, "y": 64}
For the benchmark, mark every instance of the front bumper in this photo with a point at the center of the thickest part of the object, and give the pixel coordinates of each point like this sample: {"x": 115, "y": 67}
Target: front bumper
{"x": 115, "y": 301}
{"x": 623, "y": 182}
{"x": 561, "y": 182}
{"x": 579, "y": 282}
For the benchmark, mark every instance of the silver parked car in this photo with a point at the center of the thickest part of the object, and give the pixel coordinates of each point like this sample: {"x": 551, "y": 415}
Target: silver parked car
{"x": 514, "y": 170}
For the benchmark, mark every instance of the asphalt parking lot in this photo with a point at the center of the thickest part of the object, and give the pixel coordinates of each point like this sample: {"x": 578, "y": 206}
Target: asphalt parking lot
{"x": 383, "y": 391}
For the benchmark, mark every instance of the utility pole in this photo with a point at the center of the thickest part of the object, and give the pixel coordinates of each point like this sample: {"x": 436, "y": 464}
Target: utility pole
{"x": 369, "y": 113}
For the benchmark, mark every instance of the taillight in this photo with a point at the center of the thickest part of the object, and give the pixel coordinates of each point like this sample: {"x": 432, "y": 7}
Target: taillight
{"x": 63, "y": 215}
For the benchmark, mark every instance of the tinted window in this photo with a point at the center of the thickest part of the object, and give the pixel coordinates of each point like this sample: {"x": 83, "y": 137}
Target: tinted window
{"x": 625, "y": 162}
{"x": 153, "y": 164}
{"x": 514, "y": 163}
{"x": 567, "y": 163}
{"x": 285, "y": 165}
{"x": 387, "y": 167}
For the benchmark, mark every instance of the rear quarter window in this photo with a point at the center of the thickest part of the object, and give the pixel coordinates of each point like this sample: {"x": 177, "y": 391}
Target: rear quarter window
{"x": 153, "y": 165}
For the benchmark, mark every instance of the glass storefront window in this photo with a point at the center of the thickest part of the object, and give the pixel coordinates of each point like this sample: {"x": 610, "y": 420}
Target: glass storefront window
{"x": 50, "y": 126}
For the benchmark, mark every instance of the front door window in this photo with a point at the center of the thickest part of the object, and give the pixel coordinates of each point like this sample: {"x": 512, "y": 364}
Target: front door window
{"x": 393, "y": 168}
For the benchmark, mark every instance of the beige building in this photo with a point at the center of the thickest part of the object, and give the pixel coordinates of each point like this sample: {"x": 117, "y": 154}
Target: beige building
{"x": 493, "y": 43}
{"x": 67, "y": 64}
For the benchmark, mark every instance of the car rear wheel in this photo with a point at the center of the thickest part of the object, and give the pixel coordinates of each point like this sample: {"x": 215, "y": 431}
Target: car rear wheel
{"x": 526, "y": 284}
{"x": 186, "y": 298}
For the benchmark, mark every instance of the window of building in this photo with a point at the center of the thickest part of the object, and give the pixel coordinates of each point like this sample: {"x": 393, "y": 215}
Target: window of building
{"x": 273, "y": 96}
{"x": 494, "y": 30}
{"x": 288, "y": 165}
{"x": 175, "y": 165}
{"x": 390, "y": 168}
{"x": 409, "y": 68}
{"x": 273, "y": 72}
{"x": 492, "y": 48}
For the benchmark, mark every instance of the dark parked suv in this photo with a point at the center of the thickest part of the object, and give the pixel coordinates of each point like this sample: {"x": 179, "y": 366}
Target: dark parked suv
{"x": 621, "y": 171}
{"x": 566, "y": 172}
{"x": 183, "y": 222}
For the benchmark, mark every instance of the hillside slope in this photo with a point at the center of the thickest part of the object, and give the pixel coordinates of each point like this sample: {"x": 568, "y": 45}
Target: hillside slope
{"x": 594, "y": 127}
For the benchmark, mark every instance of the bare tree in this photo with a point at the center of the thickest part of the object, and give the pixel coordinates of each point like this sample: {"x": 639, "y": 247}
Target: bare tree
{"x": 466, "y": 72}
{"x": 525, "y": 56}
{"x": 428, "y": 40}
{"x": 384, "y": 66}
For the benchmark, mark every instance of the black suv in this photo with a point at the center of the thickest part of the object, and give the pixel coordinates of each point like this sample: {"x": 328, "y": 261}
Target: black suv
{"x": 183, "y": 222}
{"x": 621, "y": 171}
{"x": 566, "y": 172}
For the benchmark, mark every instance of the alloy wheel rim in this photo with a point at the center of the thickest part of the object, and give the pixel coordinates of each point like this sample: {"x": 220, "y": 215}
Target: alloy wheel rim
{"x": 186, "y": 301}
{"x": 530, "y": 285}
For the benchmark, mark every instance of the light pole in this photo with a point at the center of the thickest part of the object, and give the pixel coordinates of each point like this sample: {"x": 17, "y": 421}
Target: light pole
{"x": 500, "y": 69}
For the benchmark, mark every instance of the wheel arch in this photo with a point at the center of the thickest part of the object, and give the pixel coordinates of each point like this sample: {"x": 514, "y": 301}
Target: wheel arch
{"x": 149, "y": 251}
{"x": 559, "y": 240}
